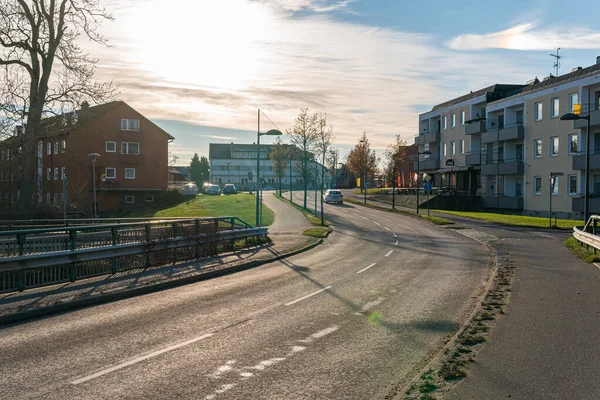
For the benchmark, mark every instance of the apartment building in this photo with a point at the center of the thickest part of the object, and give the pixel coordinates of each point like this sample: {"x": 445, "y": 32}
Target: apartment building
{"x": 518, "y": 142}
{"x": 131, "y": 166}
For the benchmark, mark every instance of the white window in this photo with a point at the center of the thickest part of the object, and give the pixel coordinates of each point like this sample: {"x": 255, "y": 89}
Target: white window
{"x": 63, "y": 146}
{"x": 110, "y": 173}
{"x": 149, "y": 199}
{"x": 49, "y": 148}
{"x": 129, "y": 173}
{"x": 537, "y": 148}
{"x": 452, "y": 148}
{"x": 538, "y": 111}
{"x": 130, "y": 148}
{"x": 462, "y": 117}
{"x": 573, "y": 143}
{"x": 555, "y": 186}
{"x": 554, "y": 146}
{"x": 56, "y": 173}
{"x": 461, "y": 146}
{"x": 572, "y": 185}
{"x": 573, "y": 99}
{"x": 444, "y": 150}
{"x": 111, "y": 147}
{"x": 48, "y": 173}
{"x": 55, "y": 147}
{"x": 63, "y": 173}
{"x": 444, "y": 123}
{"x": 555, "y": 103}
{"x": 129, "y": 199}
{"x": 130, "y": 124}
{"x": 537, "y": 185}
{"x": 453, "y": 120}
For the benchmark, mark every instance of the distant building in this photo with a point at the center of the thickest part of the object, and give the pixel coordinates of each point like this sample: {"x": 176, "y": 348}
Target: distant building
{"x": 179, "y": 175}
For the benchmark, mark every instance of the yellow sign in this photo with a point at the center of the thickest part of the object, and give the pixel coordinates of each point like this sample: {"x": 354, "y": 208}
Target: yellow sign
{"x": 357, "y": 182}
{"x": 577, "y": 109}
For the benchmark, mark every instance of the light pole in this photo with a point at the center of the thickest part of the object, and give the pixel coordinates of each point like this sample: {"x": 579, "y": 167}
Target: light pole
{"x": 575, "y": 117}
{"x": 272, "y": 132}
{"x": 228, "y": 180}
{"x": 239, "y": 167}
{"x": 364, "y": 142}
{"x": 94, "y": 156}
{"x": 334, "y": 155}
{"x": 426, "y": 152}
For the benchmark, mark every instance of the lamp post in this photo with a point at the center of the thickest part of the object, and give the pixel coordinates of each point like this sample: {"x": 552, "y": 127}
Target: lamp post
{"x": 228, "y": 180}
{"x": 94, "y": 156}
{"x": 364, "y": 142}
{"x": 272, "y": 132}
{"x": 575, "y": 117}
{"x": 239, "y": 167}
{"x": 426, "y": 152}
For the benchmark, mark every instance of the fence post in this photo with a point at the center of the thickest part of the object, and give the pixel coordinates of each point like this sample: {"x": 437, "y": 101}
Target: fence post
{"x": 174, "y": 236}
{"x": 114, "y": 236}
{"x": 21, "y": 281}
{"x": 73, "y": 245}
{"x": 147, "y": 229}
{"x": 197, "y": 247}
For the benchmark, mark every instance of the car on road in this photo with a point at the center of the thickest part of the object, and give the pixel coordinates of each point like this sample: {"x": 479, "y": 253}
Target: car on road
{"x": 189, "y": 189}
{"x": 213, "y": 189}
{"x": 229, "y": 189}
{"x": 333, "y": 196}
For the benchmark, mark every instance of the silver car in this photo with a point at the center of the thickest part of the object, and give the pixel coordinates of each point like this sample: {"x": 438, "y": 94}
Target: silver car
{"x": 212, "y": 189}
{"x": 333, "y": 196}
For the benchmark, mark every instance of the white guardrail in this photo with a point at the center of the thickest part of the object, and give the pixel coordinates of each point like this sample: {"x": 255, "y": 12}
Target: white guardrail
{"x": 584, "y": 236}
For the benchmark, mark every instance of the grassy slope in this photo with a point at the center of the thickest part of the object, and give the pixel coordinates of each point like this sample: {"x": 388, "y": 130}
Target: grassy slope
{"x": 581, "y": 252}
{"x": 433, "y": 219}
{"x": 241, "y": 205}
{"x": 514, "y": 220}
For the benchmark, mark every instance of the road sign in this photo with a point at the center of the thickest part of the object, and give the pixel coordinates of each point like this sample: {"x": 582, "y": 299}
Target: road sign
{"x": 426, "y": 177}
{"x": 427, "y": 186}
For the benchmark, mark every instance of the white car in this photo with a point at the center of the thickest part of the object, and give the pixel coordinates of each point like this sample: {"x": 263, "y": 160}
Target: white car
{"x": 212, "y": 189}
{"x": 333, "y": 196}
{"x": 189, "y": 189}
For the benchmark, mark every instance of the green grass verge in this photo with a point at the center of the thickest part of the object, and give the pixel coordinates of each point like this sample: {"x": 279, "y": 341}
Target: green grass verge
{"x": 318, "y": 232}
{"x": 241, "y": 205}
{"x": 514, "y": 220}
{"x": 581, "y": 252}
{"x": 433, "y": 219}
{"x": 310, "y": 217}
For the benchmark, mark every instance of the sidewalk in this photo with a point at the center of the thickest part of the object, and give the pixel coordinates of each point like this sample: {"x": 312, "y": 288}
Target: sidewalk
{"x": 285, "y": 233}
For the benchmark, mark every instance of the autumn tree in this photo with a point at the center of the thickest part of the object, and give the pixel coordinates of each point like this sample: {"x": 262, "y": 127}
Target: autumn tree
{"x": 44, "y": 71}
{"x": 304, "y": 135}
{"x": 279, "y": 156}
{"x": 324, "y": 139}
{"x": 362, "y": 161}
{"x": 395, "y": 156}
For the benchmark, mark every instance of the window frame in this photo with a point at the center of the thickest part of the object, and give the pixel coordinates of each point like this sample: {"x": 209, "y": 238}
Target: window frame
{"x": 63, "y": 171}
{"x": 55, "y": 147}
{"x": 63, "y": 146}
{"x": 462, "y": 118}
{"x": 48, "y": 174}
{"x": 48, "y": 148}
{"x": 535, "y": 191}
{"x": 571, "y": 103}
{"x": 127, "y": 126}
{"x": 552, "y": 107}
{"x": 127, "y": 144}
{"x": 130, "y": 197}
{"x": 538, "y": 111}
{"x": 452, "y": 148}
{"x": 576, "y": 136}
{"x": 444, "y": 123}
{"x": 569, "y": 178}
{"x": 114, "y": 176}
{"x": 443, "y": 149}
{"x": 106, "y": 150}
{"x": 129, "y": 169}
{"x": 149, "y": 197}
{"x": 554, "y": 153}
{"x": 535, "y": 147}
{"x": 453, "y": 120}
{"x": 555, "y": 186}
{"x": 461, "y": 146}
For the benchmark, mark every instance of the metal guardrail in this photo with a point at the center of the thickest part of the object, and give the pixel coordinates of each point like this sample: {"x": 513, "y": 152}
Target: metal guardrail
{"x": 46, "y": 256}
{"x": 585, "y": 236}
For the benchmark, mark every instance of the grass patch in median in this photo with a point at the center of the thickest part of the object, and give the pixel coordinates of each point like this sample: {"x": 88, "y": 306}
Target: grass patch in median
{"x": 514, "y": 220}
{"x": 581, "y": 252}
{"x": 433, "y": 219}
{"x": 241, "y": 205}
{"x": 310, "y": 217}
{"x": 318, "y": 232}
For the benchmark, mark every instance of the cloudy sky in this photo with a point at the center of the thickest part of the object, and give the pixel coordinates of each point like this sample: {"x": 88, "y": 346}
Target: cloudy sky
{"x": 201, "y": 68}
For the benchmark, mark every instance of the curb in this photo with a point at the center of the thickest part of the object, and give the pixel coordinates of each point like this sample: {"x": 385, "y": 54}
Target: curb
{"x": 139, "y": 291}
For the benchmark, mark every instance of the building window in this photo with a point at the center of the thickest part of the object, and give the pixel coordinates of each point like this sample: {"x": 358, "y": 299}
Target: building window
{"x": 461, "y": 146}
{"x": 452, "y": 148}
{"x": 49, "y": 148}
{"x": 573, "y": 99}
{"x": 130, "y": 124}
{"x": 573, "y": 143}
{"x": 55, "y": 198}
{"x": 129, "y": 199}
{"x": 63, "y": 175}
{"x": 555, "y": 107}
{"x": 110, "y": 173}
{"x": 554, "y": 146}
{"x": 149, "y": 199}
{"x": 63, "y": 146}
{"x": 2, "y": 155}
{"x": 47, "y": 198}
{"x": 111, "y": 147}
{"x": 537, "y": 148}
{"x": 537, "y": 185}
{"x": 48, "y": 174}
{"x": 538, "y": 111}
{"x": 444, "y": 150}
{"x": 453, "y": 120}
{"x": 462, "y": 117}
{"x": 572, "y": 185}
{"x": 56, "y": 173}
{"x": 555, "y": 186}
{"x": 130, "y": 148}
{"x": 129, "y": 173}
{"x": 55, "y": 147}
{"x": 444, "y": 123}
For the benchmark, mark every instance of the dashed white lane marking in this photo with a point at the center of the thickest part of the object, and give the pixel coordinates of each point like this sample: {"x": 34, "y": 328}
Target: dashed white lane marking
{"x": 308, "y": 295}
{"x": 356, "y": 214}
{"x": 320, "y": 334}
{"x": 395, "y": 235}
{"x": 377, "y": 223}
{"x": 396, "y": 244}
{"x": 388, "y": 253}
{"x": 364, "y": 217}
{"x": 546, "y": 236}
{"x": 597, "y": 265}
{"x": 365, "y": 268}
{"x": 372, "y": 304}
{"x": 387, "y": 228}
{"x": 139, "y": 359}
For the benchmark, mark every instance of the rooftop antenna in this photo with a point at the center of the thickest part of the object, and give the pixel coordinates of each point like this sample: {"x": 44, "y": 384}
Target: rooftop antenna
{"x": 557, "y": 58}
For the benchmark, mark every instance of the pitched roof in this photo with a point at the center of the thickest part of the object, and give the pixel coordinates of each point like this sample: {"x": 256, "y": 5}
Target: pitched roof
{"x": 493, "y": 92}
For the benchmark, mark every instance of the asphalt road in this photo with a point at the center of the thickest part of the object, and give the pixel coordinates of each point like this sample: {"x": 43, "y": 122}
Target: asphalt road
{"x": 347, "y": 320}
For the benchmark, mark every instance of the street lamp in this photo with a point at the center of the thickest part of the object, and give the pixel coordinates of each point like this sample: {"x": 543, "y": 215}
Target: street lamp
{"x": 239, "y": 167}
{"x": 575, "y": 117}
{"x": 364, "y": 142}
{"x": 426, "y": 152}
{"x": 272, "y": 132}
{"x": 228, "y": 180}
{"x": 94, "y": 156}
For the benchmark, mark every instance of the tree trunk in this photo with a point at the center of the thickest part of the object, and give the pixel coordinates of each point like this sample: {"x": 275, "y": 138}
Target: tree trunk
{"x": 28, "y": 184}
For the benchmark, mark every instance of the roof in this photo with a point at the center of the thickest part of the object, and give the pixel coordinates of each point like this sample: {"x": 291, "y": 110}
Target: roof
{"x": 223, "y": 151}
{"x": 493, "y": 92}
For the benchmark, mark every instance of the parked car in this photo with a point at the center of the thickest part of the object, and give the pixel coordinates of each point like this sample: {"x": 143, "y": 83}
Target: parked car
{"x": 333, "y": 196}
{"x": 212, "y": 189}
{"x": 189, "y": 189}
{"x": 229, "y": 189}
{"x": 268, "y": 188}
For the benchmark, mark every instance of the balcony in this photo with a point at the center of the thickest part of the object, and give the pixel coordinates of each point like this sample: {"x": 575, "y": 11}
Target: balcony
{"x": 579, "y": 160}
{"x": 429, "y": 164}
{"x": 504, "y": 167}
{"x": 509, "y": 132}
{"x": 594, "y": 119}
{"x": 433, "y": 137}
{"x": 503, "y": 202}
{"x": 475, "y": 127}
{"x": 473, "y": 158}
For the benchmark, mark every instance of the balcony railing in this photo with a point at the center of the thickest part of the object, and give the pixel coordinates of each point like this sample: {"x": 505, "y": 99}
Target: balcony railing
{"x": 429, "y": 164}
{"x": 433, "y": 137}
{"x": 593, "y": 111}
{"x": 473, "y": 158}
{"x": 579, "y": 160}
{"x": 503, "y": 167}
{"x": 475, "y": 127}
{"x": 507, "y": 132}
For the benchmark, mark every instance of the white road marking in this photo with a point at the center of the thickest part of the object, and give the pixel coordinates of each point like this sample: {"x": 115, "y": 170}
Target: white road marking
{"x": 308, "y": 295}
{"x": 372, "y": 304}
{"x": 377, "y": 223}
{"x": 387, "y": 228}
{"x": 139, "y": 359}
{"x": 365, "y": 268}
{"x": 395, "y": 235}
{"x": 356, "y": 214}
{"x": 396, "y": 244}
{"x": 365, "y": 218}
{"x": 546, "y": 236}
{"x": 320, "y": 334}
{"x": 597, "y": 265}
{"x": 388, "y": 253}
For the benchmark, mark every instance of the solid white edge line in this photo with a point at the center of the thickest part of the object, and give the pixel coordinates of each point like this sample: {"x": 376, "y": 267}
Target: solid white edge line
{"x": 139, "y": 359}
{"x": 308, "y": 295}
{"x": 365, "y": 268}
{"x": 597, "y": 265}
{"x": 389, "y": 252}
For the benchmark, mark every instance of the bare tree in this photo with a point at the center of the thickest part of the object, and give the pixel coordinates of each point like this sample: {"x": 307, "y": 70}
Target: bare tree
{"x": 323, "y": 144}
{"x": 303, "y": 135}
{"x": 44, "y": 71}
{"x": 395, "y": 156}
{"x": 173, "y": 158}
{"x": 362, "y": 161}
{"x": 279, "y": 156}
